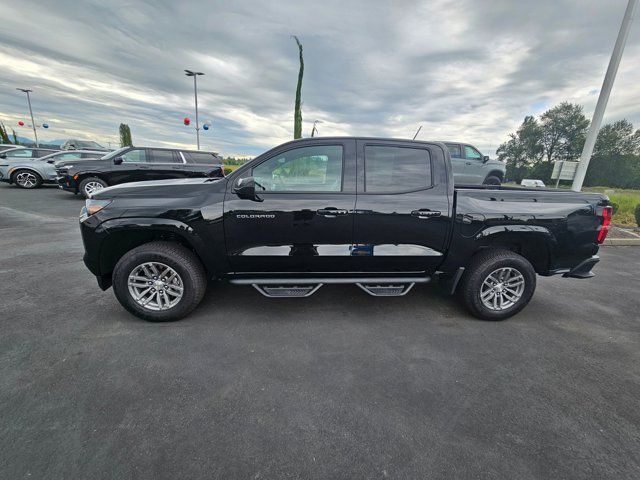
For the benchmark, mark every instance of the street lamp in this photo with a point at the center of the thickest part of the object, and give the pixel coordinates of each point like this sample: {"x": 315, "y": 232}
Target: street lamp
{"x": 33, "y": 124}
{"x": 314, "y": 130}
{"x": 193, "y": 74}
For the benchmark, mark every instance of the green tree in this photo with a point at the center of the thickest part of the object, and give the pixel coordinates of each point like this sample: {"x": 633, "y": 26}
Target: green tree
{"x": 564, "y": 130}
{"x": 617, "y": 139}
{"x": 297, "y": 115}
{"x": 523, "y": 148}
{"x": 125, "y": 136}
{"x": 3, "y": 134}
{"x": 15, "y": 137}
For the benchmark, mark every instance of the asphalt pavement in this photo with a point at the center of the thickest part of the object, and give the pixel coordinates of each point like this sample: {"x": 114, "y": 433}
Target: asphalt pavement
{"x": 338, "y": 385}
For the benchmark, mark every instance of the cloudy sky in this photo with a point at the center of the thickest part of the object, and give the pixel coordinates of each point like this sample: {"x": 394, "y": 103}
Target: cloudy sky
{"x": 465, "y": 70}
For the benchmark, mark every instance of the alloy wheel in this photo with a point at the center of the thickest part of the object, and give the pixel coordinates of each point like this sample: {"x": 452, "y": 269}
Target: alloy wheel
{"x": 155, "y": 286}
{"x": 92, "y": 187}
{"x": 26, "y": 179}
{"x": 502, "y": 289}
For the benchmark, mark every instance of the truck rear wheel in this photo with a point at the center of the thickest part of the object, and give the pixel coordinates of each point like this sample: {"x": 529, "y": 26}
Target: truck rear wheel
{"x": 497, "y": 284}
{"x": 492, "y": 180}
{"x": 159, "y": 281}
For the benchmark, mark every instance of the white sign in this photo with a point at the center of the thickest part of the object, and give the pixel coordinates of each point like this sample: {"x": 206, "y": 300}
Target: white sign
{"x": 564, "y": 170}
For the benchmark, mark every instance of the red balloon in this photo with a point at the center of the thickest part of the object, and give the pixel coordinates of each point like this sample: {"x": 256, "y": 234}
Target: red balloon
{"x": 187, "y": 120}
{"x": 21, "y": 123}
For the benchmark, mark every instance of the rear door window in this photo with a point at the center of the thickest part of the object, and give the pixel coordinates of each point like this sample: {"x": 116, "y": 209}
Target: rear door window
{"x": 201, "y": 157}
{"x": 454, "y": 150}
{"x": 396, "y": 169}
{"x": 163, "y": 156}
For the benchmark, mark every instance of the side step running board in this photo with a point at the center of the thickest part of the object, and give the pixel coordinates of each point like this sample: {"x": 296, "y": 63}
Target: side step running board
{"x": 387, "y": 289}
{"x": 287, "y": 291}
{"x": 305, "y": 287}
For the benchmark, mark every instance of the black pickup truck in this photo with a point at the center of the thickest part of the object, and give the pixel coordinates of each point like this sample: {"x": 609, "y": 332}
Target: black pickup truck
{"x": 136, "y": 164}
{"x": 381, "y": 214}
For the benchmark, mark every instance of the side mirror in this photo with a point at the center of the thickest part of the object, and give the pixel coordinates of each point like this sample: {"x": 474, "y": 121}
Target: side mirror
{"x": 245, "y": 188}
{"x": 3, "y": 155}
{"x": 117, "y": 161}
{"x": 485, "y": 159}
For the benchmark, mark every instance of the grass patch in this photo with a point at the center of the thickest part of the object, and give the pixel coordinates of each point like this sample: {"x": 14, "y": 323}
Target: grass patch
{"x": 626, "y": 199}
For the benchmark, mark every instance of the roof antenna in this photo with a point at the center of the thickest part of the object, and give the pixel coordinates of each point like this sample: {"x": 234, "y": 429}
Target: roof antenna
{"x": 419, "y": 128}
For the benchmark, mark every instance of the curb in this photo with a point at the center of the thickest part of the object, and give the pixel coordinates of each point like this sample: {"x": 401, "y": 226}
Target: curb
{"x": 620, "y": 242}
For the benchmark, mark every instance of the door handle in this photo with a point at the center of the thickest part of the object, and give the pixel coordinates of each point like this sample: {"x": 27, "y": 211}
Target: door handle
{"x": 468, "y": 163}
{"x": 332, "y": 212}
{"x": 426, "y": 213}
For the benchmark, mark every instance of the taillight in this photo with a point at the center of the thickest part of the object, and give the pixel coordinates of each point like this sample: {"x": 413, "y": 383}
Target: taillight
{"x": 607, "y": 213}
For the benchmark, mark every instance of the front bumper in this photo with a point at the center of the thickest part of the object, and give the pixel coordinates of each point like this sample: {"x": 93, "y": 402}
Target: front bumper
{"x": 66, "y": 182}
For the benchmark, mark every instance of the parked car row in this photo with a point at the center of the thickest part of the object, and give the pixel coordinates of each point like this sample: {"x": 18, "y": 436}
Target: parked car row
{"x": 87, "y": 171}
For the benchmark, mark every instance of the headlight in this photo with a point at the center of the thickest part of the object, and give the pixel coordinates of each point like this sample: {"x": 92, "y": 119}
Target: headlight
{"x": 65, "y": 167}
{"x": 94, "y": 206}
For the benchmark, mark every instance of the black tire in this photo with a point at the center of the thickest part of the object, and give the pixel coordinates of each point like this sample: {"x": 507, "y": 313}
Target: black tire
{"x": 183, "y": 261}
{"x": 481, "y": 266}
{"x": 88, "y": 182}
{"x": 27, "y": 179}
{"x": 492, "y": 180}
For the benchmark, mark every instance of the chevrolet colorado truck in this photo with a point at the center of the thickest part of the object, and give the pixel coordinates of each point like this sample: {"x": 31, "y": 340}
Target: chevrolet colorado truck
{"x": 382, "y": 214}
{"x": 136, "y": 164}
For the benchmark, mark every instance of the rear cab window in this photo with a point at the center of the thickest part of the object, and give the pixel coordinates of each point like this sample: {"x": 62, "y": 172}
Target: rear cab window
{"x": 454, "y": 150}
{"x": 396, "y": 169}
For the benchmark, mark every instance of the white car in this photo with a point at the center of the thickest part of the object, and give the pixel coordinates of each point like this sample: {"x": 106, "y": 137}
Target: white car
{"x": 528, "y": 182}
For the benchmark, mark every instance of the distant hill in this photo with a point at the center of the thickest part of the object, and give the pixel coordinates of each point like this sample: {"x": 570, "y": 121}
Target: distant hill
{"x": 29, "y": 142}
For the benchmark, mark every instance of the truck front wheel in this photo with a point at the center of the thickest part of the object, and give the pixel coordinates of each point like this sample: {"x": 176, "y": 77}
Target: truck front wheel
{"x": 497, "y": 284}
{"x": 159, "y": 281}
{"x": 91, "y": 185}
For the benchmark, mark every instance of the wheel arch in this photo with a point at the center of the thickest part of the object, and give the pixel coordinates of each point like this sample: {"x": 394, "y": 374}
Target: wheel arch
{"x": 123, "y": 235}
{"x": 495, "y": 173}
{"x": 534, "y": 243}
{"x": 14, "y": 170}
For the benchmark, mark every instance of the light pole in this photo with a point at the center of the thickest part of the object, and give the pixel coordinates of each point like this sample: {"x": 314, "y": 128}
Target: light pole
{"x": 33, "y": 124}
{"x": 193, "y": 74}
{"x": 603, "y": 98}
{"x": 314, "y": 130}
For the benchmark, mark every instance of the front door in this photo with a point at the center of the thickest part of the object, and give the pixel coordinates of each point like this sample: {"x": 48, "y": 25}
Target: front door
{"x": 134, "y": 167}
{"x": 304, "y": 221}
{"x": 402, "y": 217}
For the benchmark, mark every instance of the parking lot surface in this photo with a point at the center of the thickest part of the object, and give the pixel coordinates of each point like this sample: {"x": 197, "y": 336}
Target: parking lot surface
{"x": 339, "y": 385}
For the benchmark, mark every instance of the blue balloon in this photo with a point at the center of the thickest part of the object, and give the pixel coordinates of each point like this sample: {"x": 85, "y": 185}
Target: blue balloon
{"x": 205, "y": 126}
{"x": 45, "y": 125}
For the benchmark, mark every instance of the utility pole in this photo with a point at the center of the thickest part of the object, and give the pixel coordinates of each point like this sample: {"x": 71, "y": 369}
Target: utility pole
{"x": 603, "y": 98}
{"x": 33, "y": 124}
{"x": 190, "y": 73}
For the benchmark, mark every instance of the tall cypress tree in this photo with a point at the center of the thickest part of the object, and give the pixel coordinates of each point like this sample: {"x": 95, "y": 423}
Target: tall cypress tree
{"x": 297, "y": 116}
{"x": 125, "y": 136}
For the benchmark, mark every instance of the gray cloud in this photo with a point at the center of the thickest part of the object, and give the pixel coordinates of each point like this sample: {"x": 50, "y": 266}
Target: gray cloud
{"x": 465, "y": 70}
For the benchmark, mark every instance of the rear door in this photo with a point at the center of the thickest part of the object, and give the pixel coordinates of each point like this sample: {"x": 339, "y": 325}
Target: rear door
{"x": 402, "y": 215}
{"x": 304, "y": 221}
{"x": 164, "y": 164}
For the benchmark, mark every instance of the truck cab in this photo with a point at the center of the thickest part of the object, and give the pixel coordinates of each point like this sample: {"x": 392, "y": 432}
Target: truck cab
{"x": 470, "y": 167}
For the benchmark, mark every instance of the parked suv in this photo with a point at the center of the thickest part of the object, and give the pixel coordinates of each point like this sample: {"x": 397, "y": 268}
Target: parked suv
{"x": 22, "y": 153}
{"x": 470, "y": 167}
{"x": 136, "y": 164}
{"x": 33, "y": 172}
{"x": 73, "y": 144}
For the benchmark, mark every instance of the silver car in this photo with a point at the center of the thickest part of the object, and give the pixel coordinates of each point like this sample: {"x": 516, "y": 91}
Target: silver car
{"x": 33, "y": 172}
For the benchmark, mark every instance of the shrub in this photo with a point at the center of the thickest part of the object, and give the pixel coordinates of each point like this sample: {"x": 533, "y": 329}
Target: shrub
{"x": 615, "y": 207}
{"x": 637, "y": 212}
{"x": 228, "y": 170}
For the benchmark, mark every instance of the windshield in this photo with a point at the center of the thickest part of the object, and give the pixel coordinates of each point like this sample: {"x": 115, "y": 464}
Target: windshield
{"x": 115, "y": 153}
{"x": 88, "y": 144}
